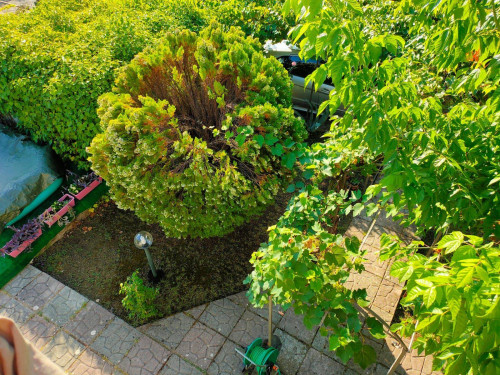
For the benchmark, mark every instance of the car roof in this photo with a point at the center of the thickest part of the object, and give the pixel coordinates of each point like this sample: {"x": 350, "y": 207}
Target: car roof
{"x": 283, "y": 48}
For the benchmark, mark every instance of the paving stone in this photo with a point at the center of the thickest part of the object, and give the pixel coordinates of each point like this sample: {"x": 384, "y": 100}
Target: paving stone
{"x": 15, "y": 310}
{"x": 294, "y": 325}
{"x": 248, "y": 328}
{"x": 89, "y": 322}
{"x": 427, "y": 367}
{"x": 200, "y": 345}
{"x": 383, "y": 313}
{"x": 387, "y": 297}
{"x": 264, "y": 312}
{"x": 240, "y": 299}
{"x": 222, "y": 315}
{"x": 227, "y": 362}
{"x": 292, "y": 353}
{"x": 373, "y": 264}
{"x": 387, "y": 351}
{"x": 196, "y": 312}
{"x": 321, "y": 344}
{"x": 317, "y": 363}
{"x": 411, "y": 364}
{"x": 90, "y": 363}
{"x": 38, "y": 331}
{"x": 5, "y": 299}
{"x": 146, "y": 357}
{"x": 40, "y": 291}
{"x": 60, "y": 309}
{"x": 26, "y": 276}
{"x": 63, "y": 349}
{"x": 177, "y": 366}
{"x": 116, "y": 340}
{"x": 169, "y": 331}
{"x": 364, "y": 280}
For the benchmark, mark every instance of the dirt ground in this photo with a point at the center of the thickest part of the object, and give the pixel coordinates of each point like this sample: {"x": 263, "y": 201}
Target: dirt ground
{"x": 99, "y": 254}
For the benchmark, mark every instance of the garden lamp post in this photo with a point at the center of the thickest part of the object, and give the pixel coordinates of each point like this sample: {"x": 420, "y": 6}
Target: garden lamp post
{"x": 143, "y": 240}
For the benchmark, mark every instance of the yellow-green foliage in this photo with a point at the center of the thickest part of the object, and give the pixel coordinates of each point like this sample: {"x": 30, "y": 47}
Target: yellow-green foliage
{"x": 56, "y": 60}
{"x": 198, "y": 134}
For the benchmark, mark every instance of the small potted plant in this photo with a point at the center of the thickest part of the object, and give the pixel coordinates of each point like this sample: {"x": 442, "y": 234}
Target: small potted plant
{"x": 82, "y": 185}
{"x": 23, "y": 237}
{"x": 58, "y": 209}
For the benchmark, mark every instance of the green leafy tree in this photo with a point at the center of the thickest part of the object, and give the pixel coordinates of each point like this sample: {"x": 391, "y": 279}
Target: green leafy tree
{"x": 305, "y": 266}
{"x": 419, "y": 82}
{"x": 456, "y": 302}
{"x": 198, "y": 134}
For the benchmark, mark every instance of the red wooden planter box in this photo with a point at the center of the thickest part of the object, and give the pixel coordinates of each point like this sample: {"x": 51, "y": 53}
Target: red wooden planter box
{"x": 62, "y": 211}
{"x": 24, "y": 245}
{"x": 88, "y": 189}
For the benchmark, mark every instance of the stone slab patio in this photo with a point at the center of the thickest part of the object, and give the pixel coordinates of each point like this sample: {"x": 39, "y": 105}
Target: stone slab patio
{"x": 84, "y": 338}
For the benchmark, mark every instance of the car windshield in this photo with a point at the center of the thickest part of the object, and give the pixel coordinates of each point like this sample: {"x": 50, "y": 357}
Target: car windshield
{"x": 301, "y": 68}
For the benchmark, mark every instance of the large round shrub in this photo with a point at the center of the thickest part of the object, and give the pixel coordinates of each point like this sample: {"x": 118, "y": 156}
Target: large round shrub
{"x": 198, "y": 134}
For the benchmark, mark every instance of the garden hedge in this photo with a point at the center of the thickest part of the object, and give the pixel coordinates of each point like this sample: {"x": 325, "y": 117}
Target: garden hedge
{"x": 58, "y": 58}
{"x": 198, "y": 133}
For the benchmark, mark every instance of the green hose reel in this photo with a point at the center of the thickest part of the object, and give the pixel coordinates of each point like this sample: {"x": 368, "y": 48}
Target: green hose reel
{"x": 262, "y": 358}
{"x": 260, "y": 354}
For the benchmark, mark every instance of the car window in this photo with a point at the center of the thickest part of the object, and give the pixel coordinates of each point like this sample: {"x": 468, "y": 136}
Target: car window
{"x": 297, "y": 67}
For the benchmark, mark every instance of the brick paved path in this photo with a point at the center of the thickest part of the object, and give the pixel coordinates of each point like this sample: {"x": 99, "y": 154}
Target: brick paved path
{"x": 84, "y": 338}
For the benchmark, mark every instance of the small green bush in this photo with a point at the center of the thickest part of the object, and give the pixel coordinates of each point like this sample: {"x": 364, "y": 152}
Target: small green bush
{"x": 139, "y": 299}
{"x": 198, "y": 134}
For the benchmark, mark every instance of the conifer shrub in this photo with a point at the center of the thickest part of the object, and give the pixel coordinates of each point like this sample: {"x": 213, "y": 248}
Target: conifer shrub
{"x": 198, "y": 134}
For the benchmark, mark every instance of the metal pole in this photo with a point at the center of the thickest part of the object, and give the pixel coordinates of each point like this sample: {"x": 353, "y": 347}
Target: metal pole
{"x": 150, "y": 261}
{"x": 270, "y": 321}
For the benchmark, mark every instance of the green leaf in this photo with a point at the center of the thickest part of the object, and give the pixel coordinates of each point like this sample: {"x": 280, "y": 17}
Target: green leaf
{"x": 354, "y": 6}
{"x": 290, "y": 188}
{"x": 429, "y": 296}
{"x": 371, "y": 208}
{"x": 482, "y": 274}
{"x": 425, "y": 322}
{"x": 240, "y": 139}
{"x": 315, "y": 6}
{"x": 259, "y": 139}
{"x": 451, "y": 242}
{"x": 460, "y": 323}
{"x": 308, "y": 173}
{"x": 413, "y": 293}
{"x": 290, "y": 160}
{"x": 376, "y": 328}
{"x": 333, "y": 342}
{"x": 277, "y": 150}
{"x": 270, "y": 139}
{"x": 424, "y": 283}
{"x": 358, "y": 207}
{"x": 454, "y": 300}
{"x": 464, "y": 276}
{"x": 365, "y": 356}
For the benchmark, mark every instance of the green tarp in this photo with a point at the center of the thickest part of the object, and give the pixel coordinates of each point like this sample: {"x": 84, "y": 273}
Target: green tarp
{"x": 26, "y": 170}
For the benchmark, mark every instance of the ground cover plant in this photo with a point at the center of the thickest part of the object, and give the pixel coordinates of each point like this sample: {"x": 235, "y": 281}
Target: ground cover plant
{"x": 58, "y": 58}
{"x": 198, "y": 134}
{"x": 419, "y": 81}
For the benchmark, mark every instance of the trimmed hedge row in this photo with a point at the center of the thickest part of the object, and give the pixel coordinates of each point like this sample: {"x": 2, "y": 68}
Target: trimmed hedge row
{"x": 57, "y": 59}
